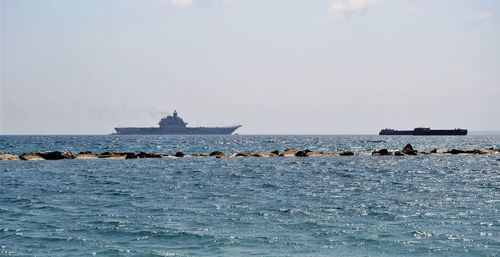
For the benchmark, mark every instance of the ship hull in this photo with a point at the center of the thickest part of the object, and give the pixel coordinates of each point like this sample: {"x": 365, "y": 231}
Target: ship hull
{"x": 396, "y": 133}
{"x": 442, "y": 132}
{"x": 431, "y": 132}
{"x": 177, "y": 131}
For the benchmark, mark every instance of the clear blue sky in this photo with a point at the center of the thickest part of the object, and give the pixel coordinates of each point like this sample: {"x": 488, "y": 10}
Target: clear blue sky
{"x": 280, "y": 67}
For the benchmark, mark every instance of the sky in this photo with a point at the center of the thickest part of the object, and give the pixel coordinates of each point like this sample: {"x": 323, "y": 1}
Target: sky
{"x": 276, "y": 67}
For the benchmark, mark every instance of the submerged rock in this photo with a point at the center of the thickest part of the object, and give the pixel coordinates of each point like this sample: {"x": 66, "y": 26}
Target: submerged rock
{"x": 199, "y": 155}
{"x": 310, "y": 153}
{"x": 289, "y": 152}
{"x": 243, "y": 154}
{"x": 475, "y": 151}
{"x": 31, "y": 157}
{"x": 492, "y": 151}
{"x": 112, "y": 155}
{"x": 264, "y": 154}
{"x": 8, "y": 157}
{"x": 86, "y": 156}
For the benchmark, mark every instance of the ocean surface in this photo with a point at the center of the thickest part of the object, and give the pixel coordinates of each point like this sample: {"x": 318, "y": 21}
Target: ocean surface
{"x": 316, "y": 206}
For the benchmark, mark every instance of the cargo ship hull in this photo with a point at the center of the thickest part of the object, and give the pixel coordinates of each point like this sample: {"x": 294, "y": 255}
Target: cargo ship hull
{"x": 424, "y": 132}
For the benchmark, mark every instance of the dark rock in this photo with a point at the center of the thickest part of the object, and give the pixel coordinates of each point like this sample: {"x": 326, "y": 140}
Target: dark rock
{"x": 85, "y": 152}
{"x": 381, "y": 152}
{"x": 408, "y": 147}
{"x": 259, "y": 154}
{"x": 130, "y": 155}
{"x": 216, "y": 153}
{"x": 346, "y": 153}
{"x": 455, "y": 151}
{"x": 408, "y": 150}
{"x": 243, "y": 154}
{"x": 55, "y": 155}
{"x": 301, "y": 154}
{"x": 435, "y": 150}
{"x": 179, "y": 154}
{"x": 149, "y": 155}
{"x": 309, "y": 153}
{"x": 68, "y": 155}
{"x": 398, "y": 153}
{"x": 275, "y": 152}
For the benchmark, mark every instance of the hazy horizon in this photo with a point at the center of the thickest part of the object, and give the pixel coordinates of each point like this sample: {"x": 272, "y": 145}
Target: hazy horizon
{"x": 276, "y": 67}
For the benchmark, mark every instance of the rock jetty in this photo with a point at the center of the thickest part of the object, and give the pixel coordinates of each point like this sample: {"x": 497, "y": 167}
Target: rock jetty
{"x": 407, "y": 150}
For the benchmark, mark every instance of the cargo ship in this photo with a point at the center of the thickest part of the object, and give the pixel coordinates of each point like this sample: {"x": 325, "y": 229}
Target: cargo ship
{"x": 423, "y": 132}
{"x": 175, "y": 125}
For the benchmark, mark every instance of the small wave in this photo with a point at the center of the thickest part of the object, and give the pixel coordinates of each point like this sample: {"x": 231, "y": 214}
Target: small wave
{"x": 421, "y": 234}
{"x": 166, "y": 254}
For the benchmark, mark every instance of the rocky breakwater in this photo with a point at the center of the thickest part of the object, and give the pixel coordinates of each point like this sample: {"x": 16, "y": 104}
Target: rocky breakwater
{"x": 408, "y": 150}
{"x": 87, "y": 155}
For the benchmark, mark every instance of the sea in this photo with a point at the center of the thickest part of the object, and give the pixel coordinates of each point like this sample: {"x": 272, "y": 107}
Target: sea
{"x": 362, "y": 205}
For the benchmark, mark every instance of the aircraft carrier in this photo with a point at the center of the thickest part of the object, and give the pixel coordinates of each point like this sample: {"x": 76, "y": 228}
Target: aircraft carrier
{"x": 175, "y": 125}
{"x": 423, "y": 132}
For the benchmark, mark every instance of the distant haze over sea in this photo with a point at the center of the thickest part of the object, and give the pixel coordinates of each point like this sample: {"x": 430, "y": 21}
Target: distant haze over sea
{"x": 276, "y": 67}
{"x": 491, "y": 132}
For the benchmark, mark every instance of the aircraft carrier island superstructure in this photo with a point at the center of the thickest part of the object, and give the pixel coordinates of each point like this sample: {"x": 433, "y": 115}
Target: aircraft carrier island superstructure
{"x": 174, "y": 125}
{"x": 423, "y": 132}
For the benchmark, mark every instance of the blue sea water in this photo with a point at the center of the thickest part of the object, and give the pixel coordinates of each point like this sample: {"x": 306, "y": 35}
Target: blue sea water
{"x": 324, "y": 206}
